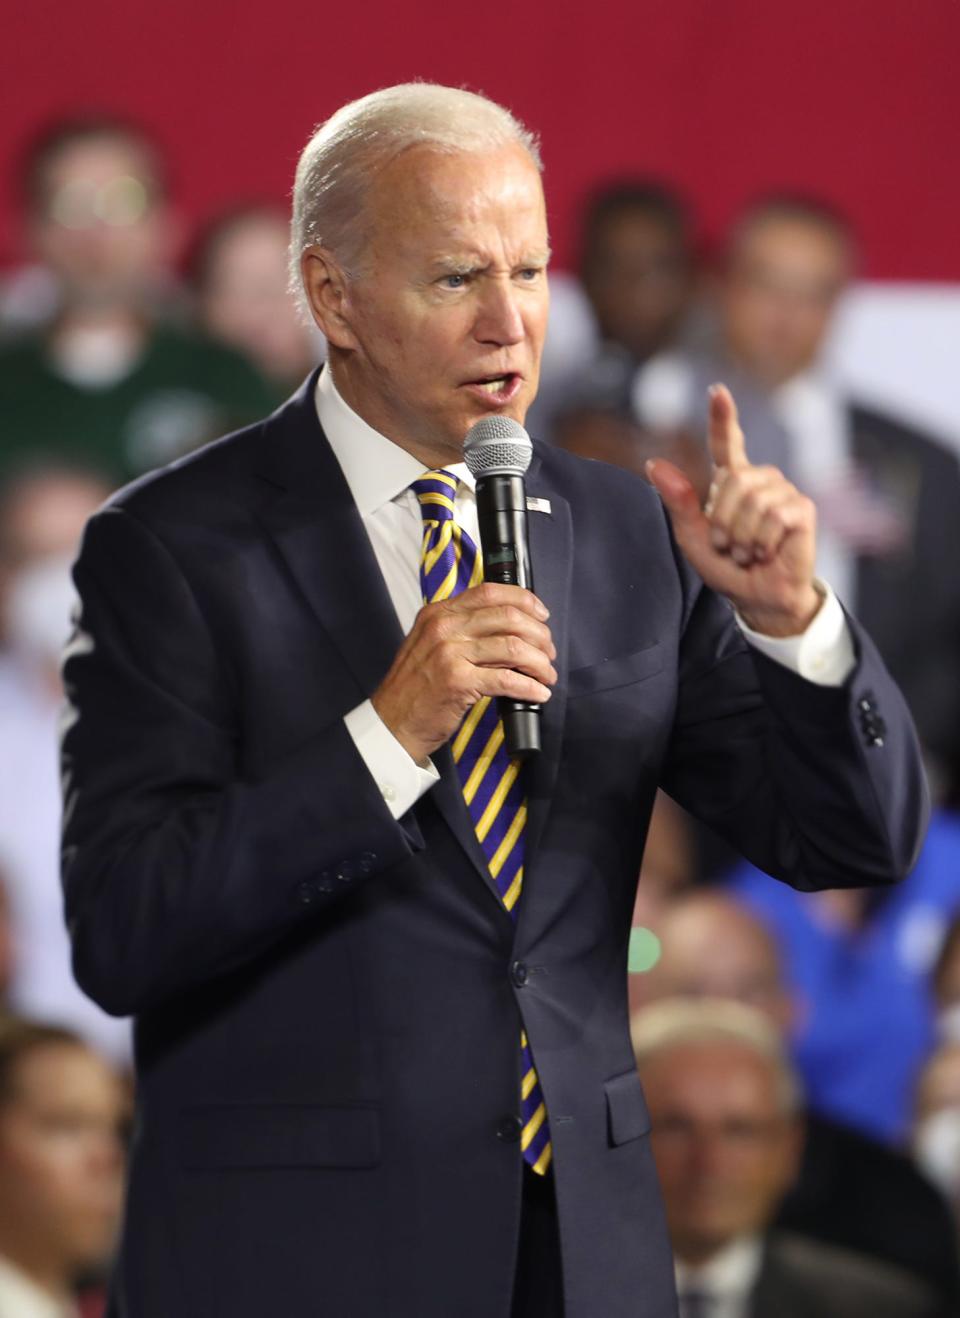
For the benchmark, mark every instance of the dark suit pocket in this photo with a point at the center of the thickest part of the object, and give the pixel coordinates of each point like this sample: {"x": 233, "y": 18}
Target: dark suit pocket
{"x": 254, "y": 1135}
{"x": 627, "y": 1115}
{"x": 610, "y": 673}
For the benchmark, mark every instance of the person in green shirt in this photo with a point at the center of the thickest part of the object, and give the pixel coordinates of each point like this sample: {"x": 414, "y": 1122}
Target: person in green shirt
{"x": 113, "y": 379}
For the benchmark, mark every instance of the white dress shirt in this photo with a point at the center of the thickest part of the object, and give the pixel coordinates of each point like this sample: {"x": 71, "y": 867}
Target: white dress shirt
{"x": 727, "y": 1279}
{"x": 379, "y": 474}
{"x": 21, "y": 1297}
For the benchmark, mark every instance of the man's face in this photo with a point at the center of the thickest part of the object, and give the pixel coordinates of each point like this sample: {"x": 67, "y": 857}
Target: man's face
{"x": 244, "y": 298}
{"x": 99, "y": 224}
{"x": 777, "y": 298}
{"x": 61, "y": 1161}
{"x": 725, "y": 1152}
{"x": 638, "y": 279}
{"x": 713, "y": 950}
{"x": 445, "y": 324}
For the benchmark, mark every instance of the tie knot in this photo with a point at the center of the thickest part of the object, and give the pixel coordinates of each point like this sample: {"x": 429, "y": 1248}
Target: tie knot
{"x": 436, "y": 491}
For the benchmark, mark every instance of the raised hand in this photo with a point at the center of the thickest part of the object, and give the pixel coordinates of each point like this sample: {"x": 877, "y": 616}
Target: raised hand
{"x": 491, "y": 640}
{"x": 754, "y": 541}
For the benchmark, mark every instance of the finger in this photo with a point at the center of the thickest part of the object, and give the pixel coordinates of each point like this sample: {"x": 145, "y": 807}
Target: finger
{"x": 726, "y": 442}
{"x": 677, "y": 493}
{"x": 750, "y": 509}
{"x": 794, "y": 512}
{"x": 720, "y": 477}
{"x": 686, "y": 516}
{"x": 491, "y": 594}
{"x": 511, "y": 652}
{"x": 737, "y": 491}
{"x": 501, "y": 620}
{"x": 769, "y": 536}
{"x": 495, "y": 682}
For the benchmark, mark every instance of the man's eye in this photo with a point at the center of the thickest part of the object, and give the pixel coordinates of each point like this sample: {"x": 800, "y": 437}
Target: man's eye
{"x": 455, "y": 281}
{"x": 530, "y": 274}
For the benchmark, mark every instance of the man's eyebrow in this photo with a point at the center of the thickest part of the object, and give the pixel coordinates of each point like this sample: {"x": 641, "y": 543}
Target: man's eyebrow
{"x": 471, "y": 264}
{"x": 455, "y": 265}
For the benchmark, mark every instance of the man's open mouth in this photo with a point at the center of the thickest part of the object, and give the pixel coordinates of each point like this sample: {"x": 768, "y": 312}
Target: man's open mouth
{"x": 494, "y": 383}
{"x": 498, "y": 387}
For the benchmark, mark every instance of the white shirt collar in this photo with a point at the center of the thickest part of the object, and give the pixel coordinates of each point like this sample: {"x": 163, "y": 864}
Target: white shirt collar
{"x": 20, "y": 1295}
{"x": 732, "y": 1272}
{"x": 376, "y": 469}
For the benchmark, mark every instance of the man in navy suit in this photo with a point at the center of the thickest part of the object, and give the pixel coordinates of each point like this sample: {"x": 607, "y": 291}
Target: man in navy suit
{"x": 271, "y": 859}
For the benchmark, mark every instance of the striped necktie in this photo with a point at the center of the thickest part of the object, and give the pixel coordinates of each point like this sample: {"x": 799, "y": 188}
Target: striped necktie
{"x": 490, "y": 779}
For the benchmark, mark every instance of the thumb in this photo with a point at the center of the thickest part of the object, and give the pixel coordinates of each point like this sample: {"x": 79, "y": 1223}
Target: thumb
{"x": 676, "y": 492}
{"x": 681, "y": 501}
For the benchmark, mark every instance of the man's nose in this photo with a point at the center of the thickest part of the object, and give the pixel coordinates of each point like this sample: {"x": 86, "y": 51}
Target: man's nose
{"x": 498, "y": 316}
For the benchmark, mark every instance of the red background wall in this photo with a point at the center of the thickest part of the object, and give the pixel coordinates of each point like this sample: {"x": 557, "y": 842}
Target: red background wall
{"x": 855, "y": 99}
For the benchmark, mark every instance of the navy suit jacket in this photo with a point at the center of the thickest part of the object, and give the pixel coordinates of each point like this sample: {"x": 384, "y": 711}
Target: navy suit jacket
{"x": 328, "y": 1001}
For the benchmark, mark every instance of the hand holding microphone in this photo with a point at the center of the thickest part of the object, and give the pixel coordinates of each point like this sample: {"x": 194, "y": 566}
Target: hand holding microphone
{"x": 491, "y": 640}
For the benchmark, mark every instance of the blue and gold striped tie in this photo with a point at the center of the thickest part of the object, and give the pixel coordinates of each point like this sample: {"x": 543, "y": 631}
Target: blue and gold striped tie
{"x": 490, "y": 779}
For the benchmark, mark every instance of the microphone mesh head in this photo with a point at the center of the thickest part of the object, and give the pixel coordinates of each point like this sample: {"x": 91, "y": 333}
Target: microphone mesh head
{"x": 496, "y": 444}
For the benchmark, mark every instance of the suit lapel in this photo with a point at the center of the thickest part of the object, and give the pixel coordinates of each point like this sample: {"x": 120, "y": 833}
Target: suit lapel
{"x": 312, "y": 518}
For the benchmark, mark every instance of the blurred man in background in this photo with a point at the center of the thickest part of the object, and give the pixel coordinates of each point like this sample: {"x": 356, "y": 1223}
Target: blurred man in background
{"x": 43, "y": 509}
{"x": 239, "y": 275}
{"x": 61, "y": 1168}
{"x": 637, "y": 276}
{"x": 638, "y": 270}
{"x": 111, "y": 380}
{"x": 887, "y": 496}
{"x": 727, "y": 1138}
{"x": 850, "y": 1189}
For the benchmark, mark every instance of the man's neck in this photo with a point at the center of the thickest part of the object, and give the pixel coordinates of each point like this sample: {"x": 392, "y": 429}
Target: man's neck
{"x": 361, "y": 401}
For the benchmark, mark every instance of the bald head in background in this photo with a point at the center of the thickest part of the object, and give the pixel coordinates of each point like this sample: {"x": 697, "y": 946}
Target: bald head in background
{"x": 712, "y": 947}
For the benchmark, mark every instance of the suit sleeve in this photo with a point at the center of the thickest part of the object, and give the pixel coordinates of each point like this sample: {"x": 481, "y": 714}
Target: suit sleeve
{"x": 820, "y": 786}
{"x": 177, "y": 864}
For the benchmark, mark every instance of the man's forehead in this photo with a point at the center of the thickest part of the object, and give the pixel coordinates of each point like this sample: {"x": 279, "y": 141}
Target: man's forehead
{"x": 425, "y": 184}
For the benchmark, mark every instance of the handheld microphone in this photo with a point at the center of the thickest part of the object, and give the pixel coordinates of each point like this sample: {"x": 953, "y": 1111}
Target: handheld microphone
{"x": 497, "y": 451}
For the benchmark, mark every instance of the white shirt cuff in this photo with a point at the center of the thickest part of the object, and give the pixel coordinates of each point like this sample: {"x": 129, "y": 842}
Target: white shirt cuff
{"x": 823, "y": 654}
{"x": 400, "y": 779}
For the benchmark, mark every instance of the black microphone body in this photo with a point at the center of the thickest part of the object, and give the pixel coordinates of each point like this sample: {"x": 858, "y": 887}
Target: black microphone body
{"x": 502, "y": 517}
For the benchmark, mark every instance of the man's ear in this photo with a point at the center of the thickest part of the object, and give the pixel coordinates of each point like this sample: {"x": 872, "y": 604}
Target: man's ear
{"x": 327, "y": 291}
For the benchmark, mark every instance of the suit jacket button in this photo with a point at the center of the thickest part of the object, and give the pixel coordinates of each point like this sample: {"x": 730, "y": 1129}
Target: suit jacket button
{"x": 510, "y": 1129}
{"x": 305, "y": 892}
{"x": 325, "y": 883}
{"x": 367, "y": 861}
{"x": 519, "y": 974}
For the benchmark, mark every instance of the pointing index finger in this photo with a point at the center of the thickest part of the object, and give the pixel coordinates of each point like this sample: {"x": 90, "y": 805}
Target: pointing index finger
{"x": 727, "y": 447}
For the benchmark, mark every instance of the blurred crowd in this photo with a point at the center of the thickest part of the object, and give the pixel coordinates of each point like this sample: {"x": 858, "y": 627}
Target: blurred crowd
{"x": 800, "y": 1051}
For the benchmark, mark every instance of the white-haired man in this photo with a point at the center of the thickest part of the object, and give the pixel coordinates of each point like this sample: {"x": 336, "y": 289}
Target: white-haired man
{"x": 727, "y": 1133}
{"x": 379, "y": 968}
